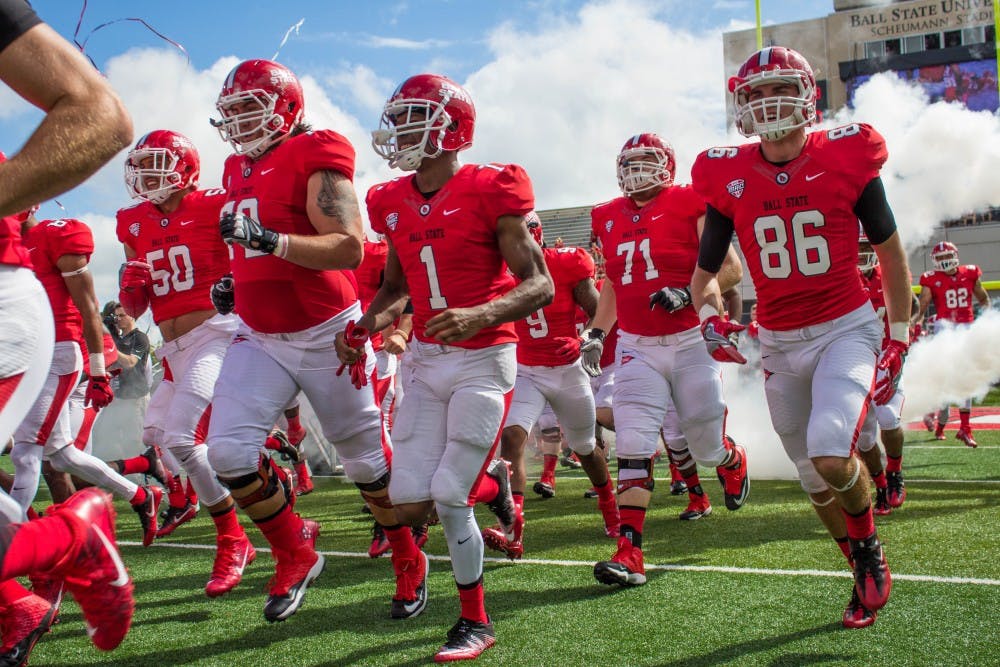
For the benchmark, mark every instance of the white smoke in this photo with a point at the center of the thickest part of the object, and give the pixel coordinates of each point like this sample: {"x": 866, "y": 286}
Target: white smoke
{"x": 952, "y": 365}
{"x": 942, "y": 157}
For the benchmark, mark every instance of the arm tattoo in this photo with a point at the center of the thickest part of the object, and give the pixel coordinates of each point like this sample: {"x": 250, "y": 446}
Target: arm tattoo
{"x": 329, "y": 201}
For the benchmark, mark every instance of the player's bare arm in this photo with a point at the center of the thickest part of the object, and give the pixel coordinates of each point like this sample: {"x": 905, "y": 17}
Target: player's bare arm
{"x": 586, "y": 296}
{"x": 981, "y": 295}
{"x": 84, "y": 127}
{"x": 525, "y": 260}
{"x": 386, "y": 306}
{"x": 925, "y": 301}
{"x": 606, "y": 313}
{"x": 332, "y": 207}
{"x": 80, "y": 284}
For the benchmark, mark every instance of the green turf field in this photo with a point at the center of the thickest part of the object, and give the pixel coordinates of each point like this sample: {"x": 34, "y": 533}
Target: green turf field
{"x": 942, "y": 547}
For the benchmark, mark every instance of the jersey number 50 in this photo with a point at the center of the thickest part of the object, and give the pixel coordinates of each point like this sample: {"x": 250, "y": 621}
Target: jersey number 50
{"x": 812, "y": 255}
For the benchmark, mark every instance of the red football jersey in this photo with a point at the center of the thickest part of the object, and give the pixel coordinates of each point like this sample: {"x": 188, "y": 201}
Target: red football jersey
{"x": 795, "y": 222}
{"x": 643, "y": 254}
{"x": 953, "y": 294}
{"x": 447, "y": 244}
{"x": 369, "y": 277}
{"x": 536, "y": 334}
{"x": 184, "y": 250}
{"x": 272, "y": 295}
{"x": 47, "y": 242}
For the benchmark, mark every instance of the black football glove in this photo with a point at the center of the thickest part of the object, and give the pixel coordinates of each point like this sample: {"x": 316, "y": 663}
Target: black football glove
{"x": 223, "y": 297}
{"x": 670, "y": 299}
{"x": 247, "y": 232}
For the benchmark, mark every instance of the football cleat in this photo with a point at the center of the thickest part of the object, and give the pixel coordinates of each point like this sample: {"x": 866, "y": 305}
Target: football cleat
{"x": 856, "y": 615}
{"x": 939, "y": 432}
{"x": 624, "y": 569}
{"x": 734, "y": 478}
{"x": 882, "y": 507}
{"x": 929, "y": 422}
{"x": 545, "y": 489}
{"x": 570, "y": 461}
{"x": 148, "y": 512}
{"x": 295, "y": 571}
{"x": 590, "y": 493}
{"x": 380, "y": 542}
{"x": 612, "y": 521}
{"x": 304, "y": 483}
{"x": 232, "y": 555}
{"x": 50, "y": 590}
{"x": 173, "y": 517}
{"x": 285, "y": 448}
{"x": 466, "y": 641}
{"x": 24, "y": 622}
{"x": 420, "y": 535}
{"x": 872, "y": 578}
{"x": 156, "y": 468}
{"x": 509, "y": 544}
{"x": 897, "y": 489}
{"x": 678, "y": 488}
{"x": 503, "y": 505}
{"x": 965, "y": 435}
{"x": 411, "y": 586}
{"x": 698, "y": 506}
{"x": 93, "y": 571}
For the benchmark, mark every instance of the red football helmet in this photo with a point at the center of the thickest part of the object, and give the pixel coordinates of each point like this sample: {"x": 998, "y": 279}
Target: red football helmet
{"x": 645, "y": 161}
{"x": 172, "y": 164}
{"x": 277, "y": 106}
{"x": 535, "y": 227}
{"x": 427, "y": 115}
{"x": 867, "y": 259}
{"x": 945, "y": 256}
{"x": 772, "y": 118}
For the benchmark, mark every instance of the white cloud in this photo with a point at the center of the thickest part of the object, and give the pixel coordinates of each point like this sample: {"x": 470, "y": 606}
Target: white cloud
{"x": 378, "y": 42}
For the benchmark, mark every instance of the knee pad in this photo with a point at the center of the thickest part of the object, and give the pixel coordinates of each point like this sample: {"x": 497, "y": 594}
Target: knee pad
{"x": 551, "y": 434}
{"x": 368, "y": 488}
{"x": 257, "y": 486}
{"x": 808, "y": 477}
{"x": 635, "y": 473}
{"x": 680, "y": 457}
{"x": 152, "y": 435}
{"x": 23, "y": 456}
{"x": 363, "y": 460}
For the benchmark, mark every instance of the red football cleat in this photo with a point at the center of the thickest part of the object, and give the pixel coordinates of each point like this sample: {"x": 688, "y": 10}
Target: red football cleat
{"x": 24, "y": 622}
{"x": 872, "y": 579}
{"x": 232, "y": 555}
{"x": 624, "y": 569}
{"x": 856, "y": 615}
{"x": 411, "y": 586}
{"x": 965, "y": 435}
{"x": 897, "y": 489}
{"x": 734, "y": 478}
{"x": 174, "y": 517}
{"x": 148, "y": 511}
{"x": 698, "y": 506}
{"x": 380, "y": 542}
{"x": 294, "y": 572}
{"x": 466, "y": 641}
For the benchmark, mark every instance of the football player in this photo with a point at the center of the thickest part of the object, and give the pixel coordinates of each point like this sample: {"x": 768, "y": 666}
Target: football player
{"x": 890, "y": 490}
{"x": 649, "y": 237}
{"x": 173, "y": 257}
{"x": 794, "y": 200}
{"x": 85, "y": 124}
{"x": 60, "y": 254}
{"x": 453, "y": 230}
{"x": 293, "y": 223}
{"x": 549, "y": 371}
{"x": 952, "y": 287}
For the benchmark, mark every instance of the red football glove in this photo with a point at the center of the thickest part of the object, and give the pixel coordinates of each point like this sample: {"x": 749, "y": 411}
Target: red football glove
{"x": 720, "y": 337}
{"x": 890, "y": 370}
{"x": 99, "y": 392}
{"x": 134, "y": 280}
{"x": 356, "y": 337}
{"x": 569, "y": 348}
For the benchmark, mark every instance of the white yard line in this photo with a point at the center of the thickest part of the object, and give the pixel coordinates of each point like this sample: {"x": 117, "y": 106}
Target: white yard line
{"x": 649, "y": 566}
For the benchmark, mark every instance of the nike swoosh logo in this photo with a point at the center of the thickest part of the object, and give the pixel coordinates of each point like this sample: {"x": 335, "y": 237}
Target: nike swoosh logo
{"x": 267, "y": 171}
{"x": 657, "y": 217}
{"x": 465, "y": 540}
{"x": 186, "y": 222}
{"x": 814, "y": 176}
{"x": 122, "y": 579}
{"x": 454, "y": 210}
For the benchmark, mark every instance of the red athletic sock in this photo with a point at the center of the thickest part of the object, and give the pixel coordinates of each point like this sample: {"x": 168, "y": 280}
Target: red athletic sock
{"x": 139, "y": 497}
{"x": 135, "y": 465}
{"x": 293, "y": 423}
{"x": 549, "y": 462}
{"x": 471, "y": 597}
{"x": 605, "y": 492}
{"x": 487, "y": 490}
{"x": 879, "y": 480}
{"x": 227, "y": 524}
{"x": 963, "y": 416}
{"x": 519, "y": 502}
{"x": 175, "y": 492}
{"x": 192, "y": 496}
{"x": 11, "y": 592}
{"x": 893, "y": 463}
{"x": 675, "y": 474}
{"x": 283, "y": 531}
{"x": 401, "y": 539}
{"x": 272, "y": 443}
{"x": 844, "y": 545}
{"x": 860, "y": 526}
{"x": 35, "y": 546}
{"x": 633, "y": 520}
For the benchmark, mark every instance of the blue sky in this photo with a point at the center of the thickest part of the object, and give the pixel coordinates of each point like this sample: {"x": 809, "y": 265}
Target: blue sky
{"x": 559, "y": 85}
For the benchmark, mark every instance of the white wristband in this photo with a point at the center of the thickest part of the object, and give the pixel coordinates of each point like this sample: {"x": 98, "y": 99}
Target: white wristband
{"x": 707, "y": 311}
{"x": 281, "y": 249}
{"x": 96, "y": 364}
{"x": 899, "y": 331}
